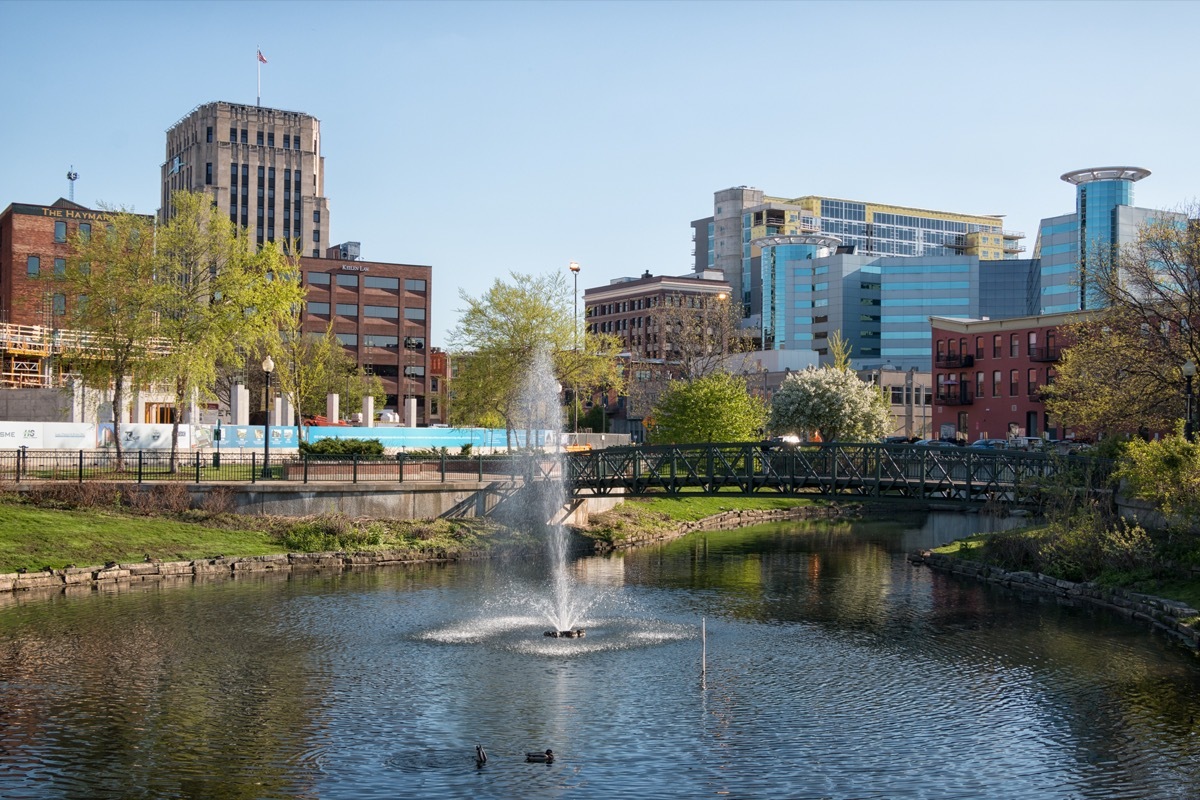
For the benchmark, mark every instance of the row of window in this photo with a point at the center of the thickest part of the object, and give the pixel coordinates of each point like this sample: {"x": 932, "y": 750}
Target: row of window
{"x": 953, "y": 348}
{"x": 368, "y": 281}
{"x": 951, "y": 385}
{"x": 60, "y": 231}
{"x": 382, "y": 312}
{"x": 261, "y": 138}
{"x": 376, "y": 340}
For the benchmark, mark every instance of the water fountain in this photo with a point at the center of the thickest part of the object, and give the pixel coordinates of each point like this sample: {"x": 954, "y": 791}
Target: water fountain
{"x": 561, "y": 614}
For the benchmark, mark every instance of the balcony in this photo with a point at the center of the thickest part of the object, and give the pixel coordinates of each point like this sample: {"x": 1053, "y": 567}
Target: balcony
{"x": 950, "y": 395}
{"x": 1043, "y": 354}
{"x": 953, "y": 361}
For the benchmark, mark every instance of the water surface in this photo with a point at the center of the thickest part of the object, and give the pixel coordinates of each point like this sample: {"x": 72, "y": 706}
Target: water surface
{"x": 834, "y": 669}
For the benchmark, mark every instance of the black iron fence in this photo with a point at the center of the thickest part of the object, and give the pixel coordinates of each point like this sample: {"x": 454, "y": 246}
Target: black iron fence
{"x": 24, "y": 465}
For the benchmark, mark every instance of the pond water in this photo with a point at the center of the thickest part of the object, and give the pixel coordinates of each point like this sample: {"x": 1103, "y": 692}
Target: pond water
{"x": 792, "y": 660}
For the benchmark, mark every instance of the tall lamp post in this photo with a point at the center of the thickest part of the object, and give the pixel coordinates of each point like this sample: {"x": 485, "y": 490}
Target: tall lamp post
{"x": 574, "y": 267}
{"x": 268, "y": 366}
{"x": 1189, "y": 371}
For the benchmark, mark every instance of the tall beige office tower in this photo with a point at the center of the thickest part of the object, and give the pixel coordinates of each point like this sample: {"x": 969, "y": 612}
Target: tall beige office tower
{"x": 263, "y": 166}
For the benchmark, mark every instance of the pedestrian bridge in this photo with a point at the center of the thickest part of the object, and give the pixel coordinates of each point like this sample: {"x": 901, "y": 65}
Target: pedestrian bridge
{"x": 865, "y": 470}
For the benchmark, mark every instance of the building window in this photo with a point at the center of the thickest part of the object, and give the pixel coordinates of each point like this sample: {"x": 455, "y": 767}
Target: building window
{"x": 1033, "y": 343}
{"x": 208, "y": 137}
{"x": 270, "y": 140}
{"x": 316, "y": 252}
{"x": 33, "y": 265}
{"x": 317, "y": 216}
{"x": 232, "y": 135}
{"x": 414, "y": 285}
{"x": 979, "y": 381}
{"x": 319, "y": 308}
{"x": 208, "y": 174}
{"x": 1032, "y": 380}
{"x": 318, "y": 278}
{"x": 348, "y": 339}
{"x": 417, "y": 314}
{"x": 347, "y": 309}
{"x": 414, "y": 372}
{"x": 386, "y": 312}
{"x": 60, "y": 232}
{"x": 316, "y": 238}
{"x": 245, "y": 136}
{"x": 979, "y": 347}
{"x": 60, "y": 305}
{"x": 85, "y": 231}
{"x": 258, "y": 139}
{"x": 1014, "y": 345}
{"x": 414, "y": 342}
{"x": 381, "y": 283}
{"x": 997, "y": 377}
{"x": 1014, "y": 383}
{"x": 60, "y": 267}
{"x": 287, "y": 141}
{"x": 997, "y": 346}
{"x": 347, "y": 280}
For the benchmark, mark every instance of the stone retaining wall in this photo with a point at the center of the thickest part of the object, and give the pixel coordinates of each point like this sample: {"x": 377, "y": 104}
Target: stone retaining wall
{"x": 218, "y": 565}
{"x": 728, "y": 520}
{"x": 1175, "y": 618}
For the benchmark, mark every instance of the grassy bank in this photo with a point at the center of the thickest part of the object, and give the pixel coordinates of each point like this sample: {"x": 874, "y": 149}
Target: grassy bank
{"x": 649, "y": 517}
{"x": 1108, "y": 553}
{"x": 33, "y": 537}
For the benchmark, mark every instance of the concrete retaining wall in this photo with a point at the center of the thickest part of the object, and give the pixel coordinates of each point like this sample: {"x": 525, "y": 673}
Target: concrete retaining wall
{"x": 1170, "y": 616}
{"x": 219, "y": 566}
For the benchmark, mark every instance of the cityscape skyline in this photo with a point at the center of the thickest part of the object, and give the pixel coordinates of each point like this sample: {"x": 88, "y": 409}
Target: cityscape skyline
{"x": 489, "y": 138}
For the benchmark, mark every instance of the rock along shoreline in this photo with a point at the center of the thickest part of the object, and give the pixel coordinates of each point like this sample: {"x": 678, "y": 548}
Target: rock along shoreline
{"x": 1165, "y": 615}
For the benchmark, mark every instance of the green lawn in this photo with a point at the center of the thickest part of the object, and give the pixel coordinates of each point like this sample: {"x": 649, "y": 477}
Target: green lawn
{"x": 33, "y": 538}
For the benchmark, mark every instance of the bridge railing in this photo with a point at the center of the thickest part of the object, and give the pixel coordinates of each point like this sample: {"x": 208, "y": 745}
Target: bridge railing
{"x": 863, "y": 469}
{"x": 142, "y": 466}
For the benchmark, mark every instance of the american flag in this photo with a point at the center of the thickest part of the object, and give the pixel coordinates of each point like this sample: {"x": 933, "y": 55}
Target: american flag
{"x": 261, "y": 57}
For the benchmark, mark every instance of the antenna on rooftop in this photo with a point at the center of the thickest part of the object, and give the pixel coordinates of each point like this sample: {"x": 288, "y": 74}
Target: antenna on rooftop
{"x": 72, "y": 176}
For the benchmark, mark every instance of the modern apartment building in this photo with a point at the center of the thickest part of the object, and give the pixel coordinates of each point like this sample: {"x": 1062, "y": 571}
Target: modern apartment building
{"x": 262, "y": 166}
{"x": 380, "y": 312}
{"x": 743, "y": 216}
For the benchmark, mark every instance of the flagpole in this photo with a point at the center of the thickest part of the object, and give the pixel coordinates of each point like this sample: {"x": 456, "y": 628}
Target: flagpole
{"x": 258, "y": 63}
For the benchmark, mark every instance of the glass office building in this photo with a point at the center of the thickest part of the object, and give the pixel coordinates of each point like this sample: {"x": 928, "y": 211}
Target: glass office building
{"x": 1072, "y": 246}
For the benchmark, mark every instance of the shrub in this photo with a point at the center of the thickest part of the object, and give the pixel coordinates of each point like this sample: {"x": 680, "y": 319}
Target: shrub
{"x": 219, "y": 500}
{"x": 329, "y": 533}
{"x": 343, "y": 447}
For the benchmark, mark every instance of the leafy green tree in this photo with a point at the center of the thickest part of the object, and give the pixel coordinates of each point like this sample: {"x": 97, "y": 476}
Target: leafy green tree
{"x": 217, "y": 296}
{"x": 109, "y": 289}
{"x": 1120, "y": 369}
{"x": 1166, "y": 472}
{"x": 832, "y": 401}
{"x": 499, "y": 335}
{"x": 713, "y": 408}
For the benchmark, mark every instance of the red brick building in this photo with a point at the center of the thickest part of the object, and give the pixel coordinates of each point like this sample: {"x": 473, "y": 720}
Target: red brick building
{"x": 988, "y": 375}
{"x": 380, "y": 312}
{"x": 34, "y": 242}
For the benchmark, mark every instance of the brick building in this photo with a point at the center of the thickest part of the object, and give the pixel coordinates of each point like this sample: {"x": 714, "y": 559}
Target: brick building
{"x": 35, "y": 242}
{"x": 380, "y": 312}
{"x": 988, "y": 375}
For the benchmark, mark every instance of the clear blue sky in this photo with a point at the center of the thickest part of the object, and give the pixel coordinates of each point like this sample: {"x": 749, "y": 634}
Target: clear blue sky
{"x": 482, "y": 138}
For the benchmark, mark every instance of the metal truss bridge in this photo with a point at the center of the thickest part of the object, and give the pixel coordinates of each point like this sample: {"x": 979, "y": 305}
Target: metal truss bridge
{"x": 865, "y": 470}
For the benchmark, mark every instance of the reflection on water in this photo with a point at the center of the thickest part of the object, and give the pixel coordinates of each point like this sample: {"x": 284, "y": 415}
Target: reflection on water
{"x": 835, "y": 669}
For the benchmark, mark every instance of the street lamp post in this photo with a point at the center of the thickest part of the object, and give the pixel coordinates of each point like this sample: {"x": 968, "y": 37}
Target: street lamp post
{"x": 574, "y": 267}
{"x": 1189, "y": 372}
{"x": 268, "y": 366}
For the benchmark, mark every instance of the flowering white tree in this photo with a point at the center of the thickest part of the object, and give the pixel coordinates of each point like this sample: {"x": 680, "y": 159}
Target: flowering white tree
{"x": 833, "y": 401}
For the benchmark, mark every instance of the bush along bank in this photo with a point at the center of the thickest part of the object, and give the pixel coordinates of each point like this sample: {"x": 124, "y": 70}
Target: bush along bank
{"x": 1172, "y": 617}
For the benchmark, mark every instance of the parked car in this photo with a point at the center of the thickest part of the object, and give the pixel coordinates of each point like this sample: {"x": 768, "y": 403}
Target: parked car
{"x": 989, "y": 444}
{"x": 1026, "y": 443}
{"x": 936, "y": 443}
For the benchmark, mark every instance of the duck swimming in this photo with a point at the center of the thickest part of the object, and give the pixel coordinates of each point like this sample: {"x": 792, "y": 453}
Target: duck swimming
{"x": 544, "y": 758}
